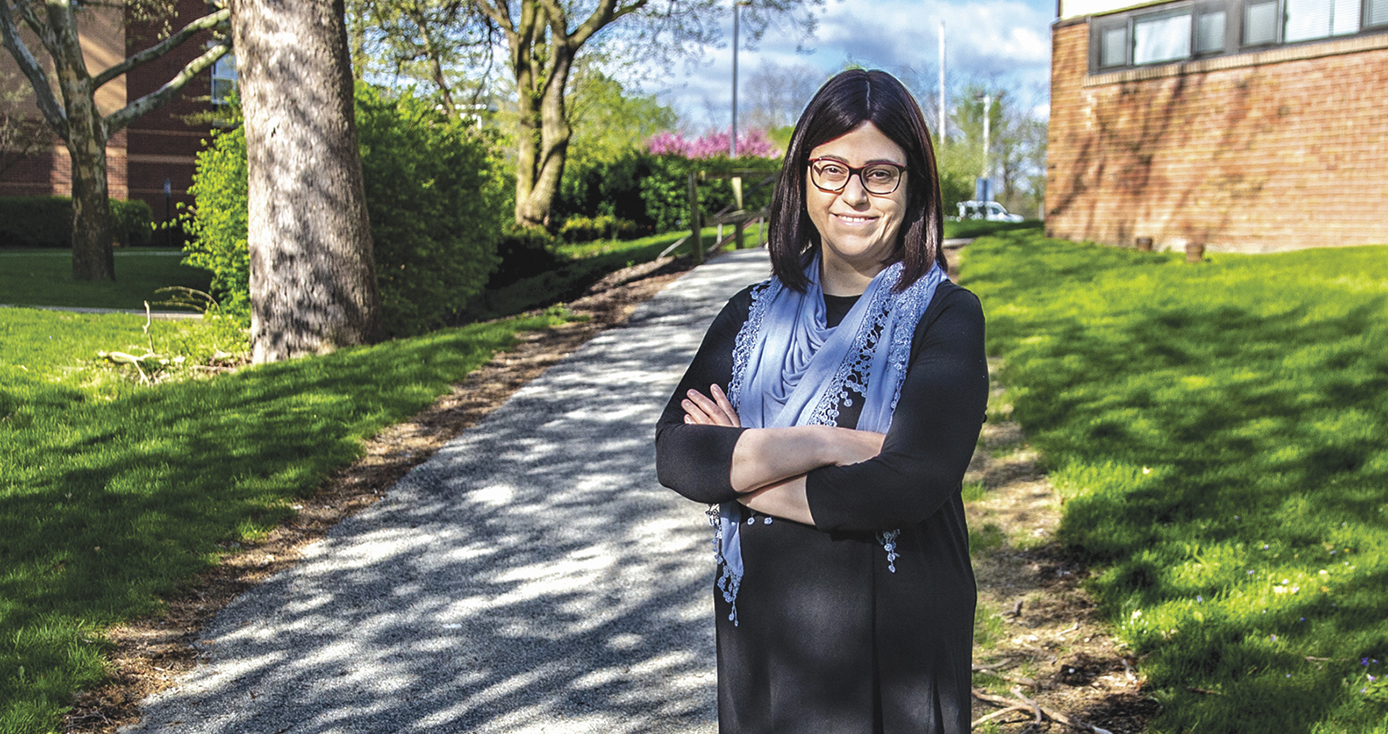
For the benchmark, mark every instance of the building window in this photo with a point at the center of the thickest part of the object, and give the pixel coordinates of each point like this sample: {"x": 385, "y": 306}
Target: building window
{"x": 1375, "y": 13}
{"x": 1161, "y": 38}
{"x": 1184, "y": 30}
{"x": 223, "y": 79}
{"x": 1260, "y": 23}
{"x": 1209, "y": 31}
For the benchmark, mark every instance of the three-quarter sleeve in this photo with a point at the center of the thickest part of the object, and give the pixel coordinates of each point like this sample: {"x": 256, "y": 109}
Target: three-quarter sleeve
{"x": 697, "y": 461}
{"x": 933, "y": 433}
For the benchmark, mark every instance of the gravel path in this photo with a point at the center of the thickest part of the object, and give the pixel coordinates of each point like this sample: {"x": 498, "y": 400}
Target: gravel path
{"x": 531, "y": 577}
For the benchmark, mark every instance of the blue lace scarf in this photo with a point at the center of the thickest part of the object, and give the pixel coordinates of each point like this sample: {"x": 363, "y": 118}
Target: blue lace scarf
{"x": 791, "y": 369}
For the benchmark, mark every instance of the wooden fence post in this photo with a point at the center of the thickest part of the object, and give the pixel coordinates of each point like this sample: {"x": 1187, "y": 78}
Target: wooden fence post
{"x": 695, "y": 226}
{"x": 741, "y": 223}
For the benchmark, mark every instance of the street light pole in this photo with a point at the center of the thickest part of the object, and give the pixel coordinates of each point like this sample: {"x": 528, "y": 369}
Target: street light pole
{"x": 942, "y": 84}
{"x": 987, "y": 121}
{"x": 732, "y": 136}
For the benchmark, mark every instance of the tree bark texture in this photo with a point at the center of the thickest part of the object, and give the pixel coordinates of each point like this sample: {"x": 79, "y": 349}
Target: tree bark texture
{"x": 313, "y": 280}
{"x": 92, "y": 232}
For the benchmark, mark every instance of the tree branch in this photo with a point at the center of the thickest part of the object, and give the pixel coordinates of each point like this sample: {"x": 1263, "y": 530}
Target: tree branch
{"x": 65, "y": 45}
{"x": 498, "y": 14}
{"x": 53, "y": 113}
{"x": 1022, "y": 703}
{"x": 601, "y": 17}
{"x": 163, "y": 47}
{"x": 122, "y": 117}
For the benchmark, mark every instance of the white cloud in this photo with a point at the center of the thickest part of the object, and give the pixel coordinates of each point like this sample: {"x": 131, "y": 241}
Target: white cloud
{"x": 998, "y": 42}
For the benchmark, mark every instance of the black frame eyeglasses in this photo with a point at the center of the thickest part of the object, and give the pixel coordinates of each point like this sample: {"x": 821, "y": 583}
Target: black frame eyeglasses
{"x": 874, "y": 186}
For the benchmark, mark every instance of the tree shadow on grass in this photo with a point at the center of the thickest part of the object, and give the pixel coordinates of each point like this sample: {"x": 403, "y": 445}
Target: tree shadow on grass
{"x": 536, "y": 571}
{"x": 1214, "y": 439}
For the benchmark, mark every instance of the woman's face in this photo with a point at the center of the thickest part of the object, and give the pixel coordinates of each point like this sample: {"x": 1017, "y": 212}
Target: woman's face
{"x": 857, "y": 229}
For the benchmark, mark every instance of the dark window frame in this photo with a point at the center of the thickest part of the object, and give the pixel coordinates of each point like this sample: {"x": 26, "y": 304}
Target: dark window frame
{"x": 1234, "y": 19}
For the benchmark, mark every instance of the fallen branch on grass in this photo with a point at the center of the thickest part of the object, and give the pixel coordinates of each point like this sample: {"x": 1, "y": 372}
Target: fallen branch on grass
{"x": 1205, "y": 691}
{"x": 1023, "y": 680}
{"x": 1022, "y": 703}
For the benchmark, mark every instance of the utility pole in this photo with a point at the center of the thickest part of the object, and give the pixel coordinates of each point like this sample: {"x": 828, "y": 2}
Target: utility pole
{"x": 732, "y": 132}
{"x": 942, "y": 84}
{"x": 987, "y": 120}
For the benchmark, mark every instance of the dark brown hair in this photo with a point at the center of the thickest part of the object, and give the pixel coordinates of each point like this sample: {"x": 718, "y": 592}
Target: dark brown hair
{"x": 839, "y": 107}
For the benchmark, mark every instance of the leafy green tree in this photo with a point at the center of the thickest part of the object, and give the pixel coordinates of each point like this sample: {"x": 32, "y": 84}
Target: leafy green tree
{"x": 1016, "y": 157}
{"x": 431, "y": 192}
{"x": 543, "y": 40}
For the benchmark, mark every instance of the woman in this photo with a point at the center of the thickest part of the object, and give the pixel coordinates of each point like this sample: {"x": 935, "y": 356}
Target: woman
{"x": 831, "y": 412}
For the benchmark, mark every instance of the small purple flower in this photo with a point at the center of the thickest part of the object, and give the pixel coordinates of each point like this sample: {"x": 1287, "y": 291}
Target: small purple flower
{"x": 1200, "y": 599}
{"x": 1363, "y": 661}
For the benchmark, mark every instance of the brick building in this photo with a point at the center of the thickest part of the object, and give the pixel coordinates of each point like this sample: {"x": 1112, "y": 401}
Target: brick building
{"x": 157, "y": 146}
{"x": 1246, "y": 125}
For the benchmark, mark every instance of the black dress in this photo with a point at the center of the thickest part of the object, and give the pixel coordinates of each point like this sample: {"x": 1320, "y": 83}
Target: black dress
{"x": 828, "y": 638}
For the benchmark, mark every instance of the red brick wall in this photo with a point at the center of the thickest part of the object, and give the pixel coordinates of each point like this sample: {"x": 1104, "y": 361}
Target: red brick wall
{"x": 162, "y": 144}
{"x": 50, "y": 173}
{"x": 1276, "y": 151}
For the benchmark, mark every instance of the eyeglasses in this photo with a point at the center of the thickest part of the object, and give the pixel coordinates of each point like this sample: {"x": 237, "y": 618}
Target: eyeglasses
{"x": 831, "y": 176}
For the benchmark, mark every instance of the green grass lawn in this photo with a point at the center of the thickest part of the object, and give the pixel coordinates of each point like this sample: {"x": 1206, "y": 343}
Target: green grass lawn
{"x": 1220, "y": 434}
{"x": 112, "y": 494}
{"x": 44, "y": 278}
{"x": 982, "y": 227}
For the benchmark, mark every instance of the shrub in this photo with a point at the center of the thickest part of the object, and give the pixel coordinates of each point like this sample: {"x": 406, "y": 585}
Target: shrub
{"x": 650, "y": 188}
{"x": 430, "y": 193}
{"x": 46, "y": 221}
{"x": 217, "y": 225}
{"x": 666, "y": 190}
{"x": 432, "y": 198}
{"x": 524, "y": 252}
{"x": 603, "y": 226}
{"x": 595, "y": 188}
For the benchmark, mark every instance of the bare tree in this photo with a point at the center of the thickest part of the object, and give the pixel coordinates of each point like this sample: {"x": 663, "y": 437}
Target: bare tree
{"x": 72, "y": 113}
{"x": 775, "y": 94}
{"x": 313, "y": 280}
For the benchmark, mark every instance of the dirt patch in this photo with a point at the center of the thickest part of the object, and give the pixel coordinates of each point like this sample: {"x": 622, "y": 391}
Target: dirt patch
{"x": 150, "y": 653}
{"x": 1040, "y": 637}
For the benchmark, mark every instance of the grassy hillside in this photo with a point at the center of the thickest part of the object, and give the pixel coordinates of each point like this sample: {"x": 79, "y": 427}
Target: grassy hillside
{"x": 1220, "y": 433}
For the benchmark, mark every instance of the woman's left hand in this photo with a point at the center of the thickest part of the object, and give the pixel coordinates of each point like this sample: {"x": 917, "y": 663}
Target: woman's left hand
{"x": 703, "y": 410}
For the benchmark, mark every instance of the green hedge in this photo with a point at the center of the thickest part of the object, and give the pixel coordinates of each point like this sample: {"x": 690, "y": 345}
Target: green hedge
{"x": 430, "y": 193}
{"x": 649, "y": 191}
{"x": 46, "y": 221}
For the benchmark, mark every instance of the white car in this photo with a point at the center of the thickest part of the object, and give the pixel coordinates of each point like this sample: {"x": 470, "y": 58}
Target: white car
{"x": 989, "y": 210}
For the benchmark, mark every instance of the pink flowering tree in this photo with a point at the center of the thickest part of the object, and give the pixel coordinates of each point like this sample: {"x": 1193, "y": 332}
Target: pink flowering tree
{"x": 712, "y": 144}
{"x": 672, "y": 156}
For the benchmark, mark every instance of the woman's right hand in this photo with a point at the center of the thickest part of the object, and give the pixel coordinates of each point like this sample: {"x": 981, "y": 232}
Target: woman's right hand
{"x": 713, "y": 409}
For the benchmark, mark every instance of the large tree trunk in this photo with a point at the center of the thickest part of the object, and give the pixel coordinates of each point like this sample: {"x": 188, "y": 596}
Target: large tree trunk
{"x": 313, "y": 281}
{"x": 92, "y": 257}
{"x": 542, "y": 146}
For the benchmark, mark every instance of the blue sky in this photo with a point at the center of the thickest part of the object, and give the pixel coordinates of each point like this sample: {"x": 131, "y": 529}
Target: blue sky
{"x": 1000, "y": 43}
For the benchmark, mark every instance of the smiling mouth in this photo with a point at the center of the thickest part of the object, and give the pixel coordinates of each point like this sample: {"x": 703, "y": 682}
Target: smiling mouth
{"x": 850, "y": 219}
